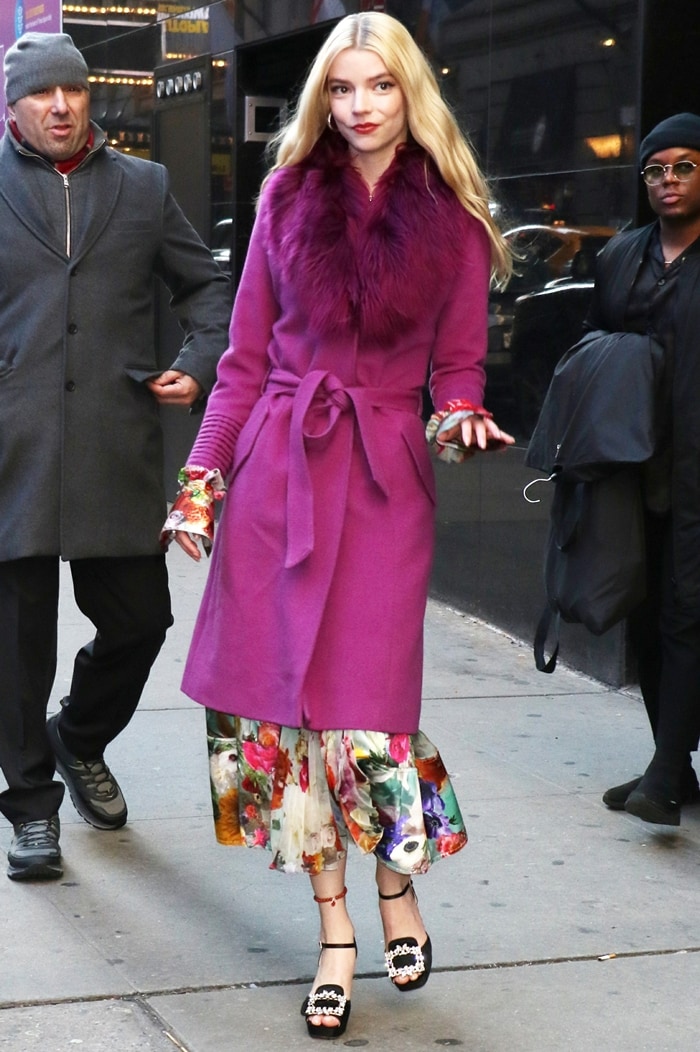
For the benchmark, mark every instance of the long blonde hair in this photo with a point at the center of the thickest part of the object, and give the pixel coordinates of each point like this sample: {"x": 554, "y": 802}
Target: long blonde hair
{"x": 430, "y": 121}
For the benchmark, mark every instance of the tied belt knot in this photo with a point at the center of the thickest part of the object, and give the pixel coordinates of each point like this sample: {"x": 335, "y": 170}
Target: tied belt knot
{"x": 319, "y": 389}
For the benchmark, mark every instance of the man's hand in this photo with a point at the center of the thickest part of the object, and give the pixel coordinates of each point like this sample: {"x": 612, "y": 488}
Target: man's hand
{"x": 175, "y": 388}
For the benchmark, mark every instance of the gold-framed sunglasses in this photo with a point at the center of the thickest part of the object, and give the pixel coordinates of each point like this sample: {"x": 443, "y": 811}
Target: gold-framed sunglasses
{"x": 654, "y": 174}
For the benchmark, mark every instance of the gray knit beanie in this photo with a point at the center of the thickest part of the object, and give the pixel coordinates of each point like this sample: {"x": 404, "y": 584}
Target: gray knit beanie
{"x": 42, "y": 60}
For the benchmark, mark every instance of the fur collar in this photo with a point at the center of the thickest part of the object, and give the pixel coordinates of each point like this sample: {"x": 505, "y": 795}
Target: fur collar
{"x": 375, "y": 267}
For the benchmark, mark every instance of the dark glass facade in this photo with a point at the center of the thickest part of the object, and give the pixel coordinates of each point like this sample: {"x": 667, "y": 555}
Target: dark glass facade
{"x": 555, "y": 95}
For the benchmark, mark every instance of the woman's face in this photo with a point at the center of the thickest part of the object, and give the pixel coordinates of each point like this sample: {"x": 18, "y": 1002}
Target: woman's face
{"x": 367, "y": 106}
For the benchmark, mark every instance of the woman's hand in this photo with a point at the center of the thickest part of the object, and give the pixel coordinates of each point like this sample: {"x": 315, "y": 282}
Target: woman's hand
{"x": 192, "y": 513}
{"x": 188, "y": 544}
{"x": 461, "y": 429}
{"x": 483, "y": 433}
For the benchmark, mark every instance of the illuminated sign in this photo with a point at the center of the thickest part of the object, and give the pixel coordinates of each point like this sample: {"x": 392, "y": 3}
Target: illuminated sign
{"x": 185, "y": 32}
{"x": 25, "y": 16}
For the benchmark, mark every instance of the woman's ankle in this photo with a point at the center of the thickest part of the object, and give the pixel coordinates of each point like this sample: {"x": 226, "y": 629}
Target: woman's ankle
{"x": 391, "y": 884}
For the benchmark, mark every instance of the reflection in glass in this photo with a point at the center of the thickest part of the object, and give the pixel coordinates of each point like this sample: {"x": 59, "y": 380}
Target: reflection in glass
{"x": 547, "y": 92}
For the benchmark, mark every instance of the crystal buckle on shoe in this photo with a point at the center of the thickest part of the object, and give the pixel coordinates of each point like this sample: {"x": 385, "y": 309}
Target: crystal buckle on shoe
{"x": 406, "y": 970}
{"x": 322, "y": 995}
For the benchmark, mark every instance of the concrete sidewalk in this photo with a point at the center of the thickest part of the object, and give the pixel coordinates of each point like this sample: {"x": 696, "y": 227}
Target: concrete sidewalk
{"x": 561, "y": 926}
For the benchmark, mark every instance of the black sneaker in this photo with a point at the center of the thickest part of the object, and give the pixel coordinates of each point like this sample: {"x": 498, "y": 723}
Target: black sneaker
{"x": 34, "y": 852}
{"x": 93, "y": 788}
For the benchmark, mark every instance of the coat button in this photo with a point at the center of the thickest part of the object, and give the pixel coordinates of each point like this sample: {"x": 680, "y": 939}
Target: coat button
{"x": 70, "y": 385}
{"x": 72, "y": 328}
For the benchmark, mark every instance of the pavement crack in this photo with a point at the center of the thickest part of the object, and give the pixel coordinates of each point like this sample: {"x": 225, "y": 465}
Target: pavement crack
{"x": 143, "y": 997}
{"x": 157, "y": 1020}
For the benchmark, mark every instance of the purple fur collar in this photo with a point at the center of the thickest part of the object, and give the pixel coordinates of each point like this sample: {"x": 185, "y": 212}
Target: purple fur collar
{"x": 377, "y": 267}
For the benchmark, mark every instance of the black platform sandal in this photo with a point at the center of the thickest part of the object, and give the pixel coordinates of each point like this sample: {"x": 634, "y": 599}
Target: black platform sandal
{"x": 329, "y": 998}
{"x": 404, "y": 957}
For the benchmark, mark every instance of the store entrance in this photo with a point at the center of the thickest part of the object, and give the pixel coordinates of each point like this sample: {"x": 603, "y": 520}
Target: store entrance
{"x": 267, "y": 80}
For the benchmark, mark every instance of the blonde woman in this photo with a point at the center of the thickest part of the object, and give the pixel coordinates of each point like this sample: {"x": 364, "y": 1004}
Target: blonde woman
{"x": 368, "y": 269}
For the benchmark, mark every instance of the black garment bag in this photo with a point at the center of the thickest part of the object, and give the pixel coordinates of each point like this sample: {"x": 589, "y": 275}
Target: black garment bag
{"x": 596, "y": 427}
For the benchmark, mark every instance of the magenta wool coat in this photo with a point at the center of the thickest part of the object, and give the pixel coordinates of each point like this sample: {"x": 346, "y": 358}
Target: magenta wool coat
{"x": 313, "y": 610}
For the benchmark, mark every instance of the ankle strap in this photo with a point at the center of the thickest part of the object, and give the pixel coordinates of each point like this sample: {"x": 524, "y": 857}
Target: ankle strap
{"x": 333, "y": 898}
{"x": 398, "y": 895}
{"x": 338, "y": 945}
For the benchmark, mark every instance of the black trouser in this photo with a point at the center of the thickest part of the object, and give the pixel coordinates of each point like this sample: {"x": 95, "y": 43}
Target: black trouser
{"x": 128, "y": 601}
{"x": 666, "y": 640}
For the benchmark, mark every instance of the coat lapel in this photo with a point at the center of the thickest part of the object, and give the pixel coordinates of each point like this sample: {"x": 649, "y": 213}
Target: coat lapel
{"x": 103, "y": 179}
{"x": 41, "y": 205}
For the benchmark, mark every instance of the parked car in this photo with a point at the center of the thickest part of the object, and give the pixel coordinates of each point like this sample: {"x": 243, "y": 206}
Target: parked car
{"x": 545, "y": 253}
{"x": 221, "y": 243}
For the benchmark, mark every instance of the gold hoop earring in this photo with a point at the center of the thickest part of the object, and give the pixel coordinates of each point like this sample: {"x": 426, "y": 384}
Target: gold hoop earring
{"x": 329, "y": 122}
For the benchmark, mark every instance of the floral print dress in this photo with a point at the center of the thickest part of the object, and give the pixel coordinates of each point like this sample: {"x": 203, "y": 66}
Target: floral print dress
{"x": 302, "y": 794}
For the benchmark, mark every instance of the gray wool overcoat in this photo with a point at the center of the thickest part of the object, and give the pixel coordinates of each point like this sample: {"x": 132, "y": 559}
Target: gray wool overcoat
{"x": 81, "y": 457}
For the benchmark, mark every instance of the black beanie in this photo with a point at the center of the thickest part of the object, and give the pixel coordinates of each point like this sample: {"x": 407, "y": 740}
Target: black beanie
{"x": 42, "y": 60}
{"x": 683, "y": 129}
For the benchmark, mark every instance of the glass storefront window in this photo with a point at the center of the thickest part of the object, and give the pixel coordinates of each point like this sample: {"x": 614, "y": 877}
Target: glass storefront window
{"x": 545, "y": 89}
{"x": 547, "y": 92}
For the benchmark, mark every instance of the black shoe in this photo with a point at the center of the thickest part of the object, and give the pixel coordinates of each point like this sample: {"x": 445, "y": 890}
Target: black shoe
{"x": 34, "y": 852}
{"x": 328, "y": 999}
{"x": 659, "y": 795}
{"x": 616, "y": 797}
{"x": 656, "y": 809}
{"x": 404, "y": 957}
{"x": 93, "y": 788}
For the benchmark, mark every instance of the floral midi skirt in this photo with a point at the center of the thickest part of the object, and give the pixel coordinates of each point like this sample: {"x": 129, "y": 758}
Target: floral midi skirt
{"x": 300, "y": 794}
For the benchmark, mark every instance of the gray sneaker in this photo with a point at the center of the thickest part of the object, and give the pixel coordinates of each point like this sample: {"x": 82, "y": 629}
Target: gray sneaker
{"x": 34, "y": 852}
{"x": 93, "y": 788}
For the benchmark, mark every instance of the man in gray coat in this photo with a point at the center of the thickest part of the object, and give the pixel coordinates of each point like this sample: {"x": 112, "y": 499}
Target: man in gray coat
{"x": 84, "y": 230}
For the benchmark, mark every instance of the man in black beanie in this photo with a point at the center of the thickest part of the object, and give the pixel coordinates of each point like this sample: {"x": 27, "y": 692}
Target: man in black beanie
{"x": 84, "y": 230}
{"x": 647, "y": 281}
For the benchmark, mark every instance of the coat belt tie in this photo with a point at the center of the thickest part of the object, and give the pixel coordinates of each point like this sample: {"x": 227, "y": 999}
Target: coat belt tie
{"x": 319, "y": 389}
